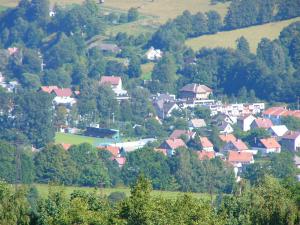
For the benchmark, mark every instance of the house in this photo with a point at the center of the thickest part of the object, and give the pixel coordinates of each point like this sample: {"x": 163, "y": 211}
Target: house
{"x": 225, "y": 128}
{"x": 195, "y": 92}
{"x": 291, "y": 141}
{"x": 172, "y": 144}
{"x": 262, "y": 123}
{"x": 205, "y": 144}
{"x": 244, "y": 122}
{"x": 120, "y": 161}
{"x": 114, "y": 150}
{"x": 236, "y": 145}
{"x": 276, "y": 113}
{"x": 164, "y": 109}
{"x": 63, "y": 96}
{"x": 268, "y": 145}
{"x": 49, "y": 89}
{"x": 107, "y": 48}
{"x": 116, "y": 85}
{"x": 225, "y": 118}
{"x": 206, "y": 155}
{"x": 154, "y": 54}
{"x": 238, "y": 159}
{"x": 278, "y": 131}
{"x": 179, "y": 133}
{"x": 227, "y": 137}
{"x": 63, "y": 92}
{"x": 297, "y": 161}
{"x": 197, "y": 123}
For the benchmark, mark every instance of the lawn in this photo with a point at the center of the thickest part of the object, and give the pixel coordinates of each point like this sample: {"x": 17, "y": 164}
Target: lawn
{"x": 43, "y": 190}
{"x": 75, "y": 139}
{"x": 147, "y": 70}
{"x": 253, "y": 34}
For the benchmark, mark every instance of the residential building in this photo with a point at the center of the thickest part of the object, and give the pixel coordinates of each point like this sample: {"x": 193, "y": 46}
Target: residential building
{"x": 276, "y": 113}
{"x": 172, "y": 144}
{"x": 164, "y": 109}
{"x": 179, "y": 133}
{"x": 238, "y": 159}
{"x": 268, "y": 145}
{"x": 116, "y": 85}
{"x": 195, "y": 92}
{"x": 154, "y": 54}
{"x": 63, "y": 96}
{"x": 206, "y": 144}
{"x": 291, "y": 141}
{"x": 227, "y": 137}
{"x": 197, "y": 123}
{"x": 220, "y": 117}
{"x": 205, "y": 155}
{"x": 225, "y": 128}
{"x": 278, "y": 131}
{"x": 237, "y": 145}
{"x": 49, "y": 89}
{"x": 244, "y": 122}
{"x": 262, "y": 123}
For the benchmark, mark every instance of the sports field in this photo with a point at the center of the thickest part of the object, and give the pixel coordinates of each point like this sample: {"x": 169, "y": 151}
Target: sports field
{"x": 75, "y": 139}
{"x": 43, "y": 190}
{"x": 253, "y": 34}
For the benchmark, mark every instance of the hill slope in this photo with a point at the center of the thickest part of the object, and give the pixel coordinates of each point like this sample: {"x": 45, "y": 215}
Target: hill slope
{"x": 253, "y": 34}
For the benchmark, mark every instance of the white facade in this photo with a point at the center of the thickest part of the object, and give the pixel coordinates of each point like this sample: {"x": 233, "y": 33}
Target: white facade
{"x": 154, "y": 54}
{"x": 245, "y": 123}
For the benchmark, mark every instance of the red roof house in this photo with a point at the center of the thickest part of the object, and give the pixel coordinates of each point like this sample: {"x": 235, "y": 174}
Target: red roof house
{"x": 237, "y": 145}
{"x": 172, "y": 144}
{"x": 203, "y": 155}
{"x": 178, "y": 133}
{"x": 48, "y": 89}
{"x": 66, "y": 146}
{"x": 238, "y": 159}
{"x": 63, "y": 92}
{"x": 111, "y": 80}
{"x": 227, "y": 137}
{"x": 206, "y": 144}
{"x": 261, "y": 123}
{"x": 115, "y": 151}
{"x": 120, "y": 160}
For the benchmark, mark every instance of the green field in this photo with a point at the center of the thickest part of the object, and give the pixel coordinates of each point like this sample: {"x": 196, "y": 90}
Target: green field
{"x": 147, "y": 70}
{"x": 43, "y": 190}
{"x": 75, "y": 139}
{"x": 254, "y": 34}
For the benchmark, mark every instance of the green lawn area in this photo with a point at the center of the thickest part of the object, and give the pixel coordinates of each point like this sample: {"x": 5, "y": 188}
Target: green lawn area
{"x": 75, "y": 139}
{"x": 254, "y": 34}
{"x": 147, "y": 70}
{"x": 43, "y": 190}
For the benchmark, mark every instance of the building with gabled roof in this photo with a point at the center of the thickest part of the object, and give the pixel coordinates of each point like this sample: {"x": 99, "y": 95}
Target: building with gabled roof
{"x": 262, "y": 123}
{"x": 268, "y": 145}
{"x": 195, "y": 92}
{"x": 205, "y": 155}
{"x": 278, "y": 131}
{"x": 178, "y": 133}
{"x": 237, "y": 145}
{"x": 206, "y": 144}
{"x": 227, "y": 137}
{"x": 172, "y": 144}
{"x": 48, "y": 89}
{"x": 291, "y": 141}
{"x": 197, "y": 123}
{"x": 239, "y": 159}
{"x": 63, "y": 92}
{"x": 244, "y": 122}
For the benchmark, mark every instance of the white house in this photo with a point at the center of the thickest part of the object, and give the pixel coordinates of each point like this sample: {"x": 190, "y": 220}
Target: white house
{"x": 239, "y": 159}
{"x": 116, "y": 85}
{"x": 154, "y": 54}
{"x": 278, "y": 130}
{"x": 244, "y": 122}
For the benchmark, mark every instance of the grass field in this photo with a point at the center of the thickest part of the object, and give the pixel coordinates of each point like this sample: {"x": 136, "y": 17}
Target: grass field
{"x": 43, "y": 190}
{"x": 75, "y": 139}
{"x": 147, "y": 70}
{"x": 253, "y": 34}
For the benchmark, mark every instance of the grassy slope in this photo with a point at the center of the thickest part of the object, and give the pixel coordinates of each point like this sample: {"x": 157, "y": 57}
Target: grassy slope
{"x": 253, "y": 34}
{"x": 147, "y": 70}
{"x": 44, "y": 189}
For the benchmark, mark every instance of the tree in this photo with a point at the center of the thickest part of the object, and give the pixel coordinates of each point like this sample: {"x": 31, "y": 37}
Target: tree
{"x": 243, "y": 45}
{"x": 214, "y": 21}
{"x": 134, "y": 68}
{"x": 132, "y": 15}
{"x": 39, "y": 11}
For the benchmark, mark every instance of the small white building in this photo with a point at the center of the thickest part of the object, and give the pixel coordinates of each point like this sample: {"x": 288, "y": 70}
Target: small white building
{"x": 244, "y": 123}
{"x": 154, "y": 54}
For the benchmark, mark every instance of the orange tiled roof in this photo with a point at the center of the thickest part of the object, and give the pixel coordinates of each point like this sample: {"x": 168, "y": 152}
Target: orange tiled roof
{"x": 178, "y": 133}
{"x": 205, "y": 142}
{"x": 48, "y": 89}
{"x": 282, "y": 111}
{"x": 176, "y": 143}
{"x": 115, "y": 151}
{"x": 66, "y": 146}
{"x": 110, "y": 80}
{"x": 239, "y": 145}
{"x": 263, "y": 123}
{"x": 227, "y": 137}
{"x": 234, "y": 156}
{"x": 270, "y": 143}
{"x": 202, "y": 155}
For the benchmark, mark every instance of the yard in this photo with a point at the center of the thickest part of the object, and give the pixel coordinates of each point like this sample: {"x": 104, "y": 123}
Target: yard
{"x": 254, "y": 34}
{"x": 76, "y": 139}
{"x": 43, "y": 190}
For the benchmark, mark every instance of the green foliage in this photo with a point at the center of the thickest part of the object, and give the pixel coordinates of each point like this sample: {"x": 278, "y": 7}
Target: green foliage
{"x": 291, "y": 123}
{"x": 132, "y": 15}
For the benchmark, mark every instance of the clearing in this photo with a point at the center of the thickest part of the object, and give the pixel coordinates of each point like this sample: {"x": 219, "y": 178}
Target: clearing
{"x": 43, "y": 190}
{"x": 254, "y": 34}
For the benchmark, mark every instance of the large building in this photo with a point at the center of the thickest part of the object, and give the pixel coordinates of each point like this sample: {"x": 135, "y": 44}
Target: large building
{"x": 195, "y": 92}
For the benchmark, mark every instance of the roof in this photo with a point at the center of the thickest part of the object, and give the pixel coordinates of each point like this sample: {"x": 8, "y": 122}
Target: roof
{"x": 281, "y": 111}
{"x": 197, "y": 123}
{"x": 110, "y": 80}
{"x": 270, "y": 143}
{"x": 234, "y": 156}
{"x": 223, "y": 125}
{"x": 279, "y": 130}
{"x": 263, "y": 123}
{"x": 115, "y": 151}
{"x": 205, "y": 143}
{"x": 179, "y": 133}
{"x": 292, "y": 135}
{"x": 109, "y": 47}
{"x": 63, "y": 92}
{"x": 196, "y": 88}
{"x": 202, "y": 155}
{"x": 48, "y": 89}
{"x": 227, "y": 137}
{"x": 66, "y": 146}
{"x": 239, "y": 145}
{"x": 174, "y": 143}
{"x": 120, "y": 160}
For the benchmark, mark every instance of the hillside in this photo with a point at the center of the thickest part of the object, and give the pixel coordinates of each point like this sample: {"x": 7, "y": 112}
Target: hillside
{"x": 253, "y": 34}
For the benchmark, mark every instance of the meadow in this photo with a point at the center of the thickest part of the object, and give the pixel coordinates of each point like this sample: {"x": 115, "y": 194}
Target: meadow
{"x": 75, "y": 139}
{"x": 253, "y": 34}
{"x": 43, "y": 190}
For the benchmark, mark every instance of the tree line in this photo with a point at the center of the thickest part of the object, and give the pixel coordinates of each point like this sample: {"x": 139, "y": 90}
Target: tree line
{"x": 268, "y": 202}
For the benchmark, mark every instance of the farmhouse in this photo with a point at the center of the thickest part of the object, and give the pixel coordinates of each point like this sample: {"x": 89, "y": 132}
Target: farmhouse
{"x": 195, "y": 92}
